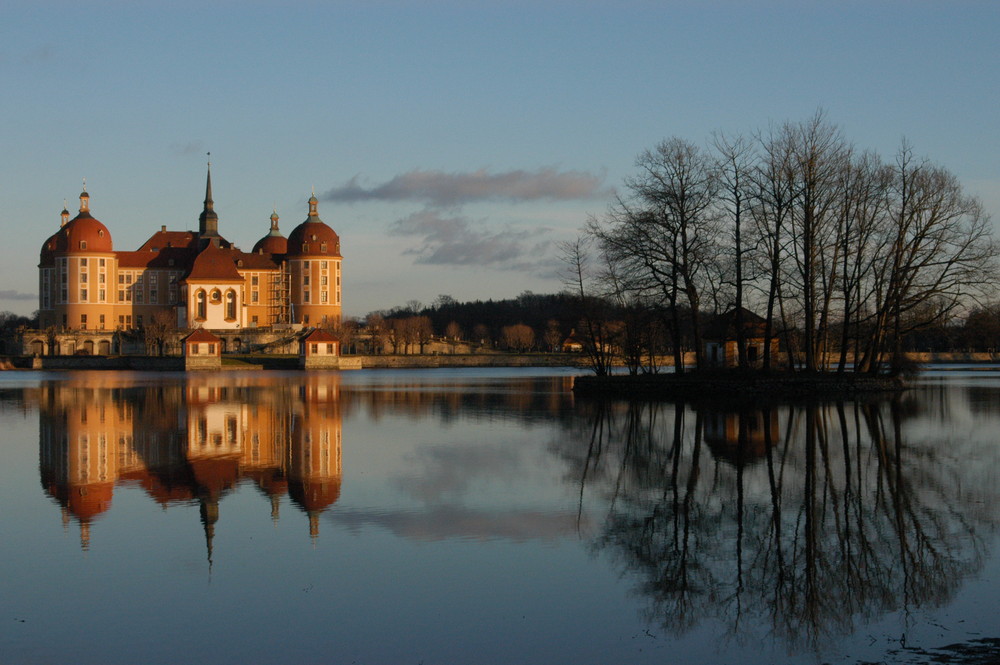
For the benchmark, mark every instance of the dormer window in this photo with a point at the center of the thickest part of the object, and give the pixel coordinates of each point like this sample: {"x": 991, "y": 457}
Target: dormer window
{"x": 322, "y": 248}
{"x": 239, "y": 263}
{"x": 305, "y": 247}
{"x": 100, "y": 233}
{"x": 83, "y": 244}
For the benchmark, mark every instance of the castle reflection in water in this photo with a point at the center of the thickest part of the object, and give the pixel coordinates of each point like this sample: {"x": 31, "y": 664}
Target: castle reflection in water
{"x": 190, "y": 442}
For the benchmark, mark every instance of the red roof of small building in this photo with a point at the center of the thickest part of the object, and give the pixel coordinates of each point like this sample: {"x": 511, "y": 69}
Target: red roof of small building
{"x": 320, "y": 335}
{"x": 201, "y": 335}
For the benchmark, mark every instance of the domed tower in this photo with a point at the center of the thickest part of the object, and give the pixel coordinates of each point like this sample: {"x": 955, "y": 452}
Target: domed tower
{"x": 77, "y": 265}
{"x": 273, "y": 242}
{"x": 313, "y": 263}
{"x": 47, "y": 285}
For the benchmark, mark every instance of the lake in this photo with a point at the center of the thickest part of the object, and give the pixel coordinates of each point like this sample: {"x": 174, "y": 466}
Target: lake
{"x": 488, "y": 516}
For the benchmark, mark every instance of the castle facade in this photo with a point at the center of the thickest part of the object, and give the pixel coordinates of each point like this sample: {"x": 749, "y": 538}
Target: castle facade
{"x": 188, "y": 279}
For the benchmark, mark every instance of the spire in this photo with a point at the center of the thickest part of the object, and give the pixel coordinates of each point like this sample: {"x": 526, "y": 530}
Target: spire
{"x": 208, "y": 222}
{"x": 274, "y": 223}
{"x": 313, "y": 212}
{"x": 64, "y": 215}
{"x": 84, "y": 199}
{"x": 209, "y": 510}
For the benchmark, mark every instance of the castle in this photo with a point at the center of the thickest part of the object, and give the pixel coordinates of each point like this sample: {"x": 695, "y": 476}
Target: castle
{"x": 188, "y": 279}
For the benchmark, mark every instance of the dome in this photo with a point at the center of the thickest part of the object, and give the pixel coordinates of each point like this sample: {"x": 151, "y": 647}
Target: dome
{"x": 313, "y": 237}
{"x": 48, "y": 247}
{"x": 84, "y": 234}
{"x": 314, "y": 495}
{"x": 270, "y": 244}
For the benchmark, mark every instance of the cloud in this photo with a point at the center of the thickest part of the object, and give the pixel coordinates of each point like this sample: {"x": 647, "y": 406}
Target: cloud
{"x": 456, "y": 240}
{"x": 10, "y": 294}
{"x": 448, "y": 522}
{"x": 448, "y": 189}
{"x": 189, "y": 148}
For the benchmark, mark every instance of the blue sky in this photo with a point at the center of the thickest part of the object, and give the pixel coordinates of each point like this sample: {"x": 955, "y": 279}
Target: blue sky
{"x": 452, "y": 144}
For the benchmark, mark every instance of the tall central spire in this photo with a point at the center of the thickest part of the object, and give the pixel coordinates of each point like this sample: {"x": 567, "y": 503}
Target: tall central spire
{"x": 208, "y": 222}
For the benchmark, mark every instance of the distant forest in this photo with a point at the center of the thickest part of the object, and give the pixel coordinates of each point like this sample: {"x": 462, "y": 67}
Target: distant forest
{"x": 977, "y": 331}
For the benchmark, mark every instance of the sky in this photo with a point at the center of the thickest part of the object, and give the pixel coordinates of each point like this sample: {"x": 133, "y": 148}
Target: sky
{"x": 452, "y": 145}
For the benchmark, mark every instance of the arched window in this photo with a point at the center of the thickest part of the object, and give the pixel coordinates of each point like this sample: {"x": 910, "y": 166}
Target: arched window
{"x": 230, "y": 306}
{"x": 199, "y": 308}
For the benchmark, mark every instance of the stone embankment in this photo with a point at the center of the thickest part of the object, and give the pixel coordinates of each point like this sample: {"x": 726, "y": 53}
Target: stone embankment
{"x": 256, "y": 362}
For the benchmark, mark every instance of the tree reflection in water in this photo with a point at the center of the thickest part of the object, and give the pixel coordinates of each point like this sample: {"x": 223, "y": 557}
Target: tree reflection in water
{"x": 804, "y": 521}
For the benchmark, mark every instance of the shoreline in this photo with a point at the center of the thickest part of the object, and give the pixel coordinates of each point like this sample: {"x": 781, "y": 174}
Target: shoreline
{"x": 251, "y": 362}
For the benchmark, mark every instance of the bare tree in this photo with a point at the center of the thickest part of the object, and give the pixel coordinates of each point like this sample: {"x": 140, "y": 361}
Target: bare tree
{"x": 518, "y": 337}
{"x": 157, "y": 330}
{"x": 376, "y": 327}
{"x": 734, "y": 155}
{"x": 941, "y": 251}
{"x": 453, "y": 332}
{"x": 579, "y": 276}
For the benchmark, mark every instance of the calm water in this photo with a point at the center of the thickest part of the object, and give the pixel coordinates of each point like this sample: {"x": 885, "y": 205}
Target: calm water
{"x": 485, "y": 516}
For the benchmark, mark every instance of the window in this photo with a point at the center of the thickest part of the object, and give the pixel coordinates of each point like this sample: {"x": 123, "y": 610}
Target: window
{"x": 322, "y": 247}
{"x": 138, "y": 321}
{"x": 322, "y": 296}
{"x": 231, "y": 306}
{"x": 83, "y": 278}
{"x": 83, "y": 322}
{"x": 83, "y": 245}
{"x": 305, "y": 297}
{"x": 121, "y": 278}
{"x": 254, "y": 296}
{"x": 329, "y": 349}
{"x": 100, "y": 278}
{"x": 254, "y": 280}
{"x": 83, "y": 295}
{"x": 199, "y": 310}
{"x": 305, "y": 280}
{"x": 323, "y": 280}
{"x": 102, "y": 322}
{"x": 100, "y": 262}
{"x": 322, "y": 265}
{"x": 121, "y": 295}
{"x": 102, "y": 295}
{"x": 315, "y": 348}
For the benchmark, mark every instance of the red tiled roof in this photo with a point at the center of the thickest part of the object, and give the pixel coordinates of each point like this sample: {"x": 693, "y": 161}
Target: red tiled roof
{"x": 214, "y": 264}
{"x": 320, "y": 335}
{"x": 181, "y": 257}
{"x": 162, "y": 239}
{"x": 201, "y": 335}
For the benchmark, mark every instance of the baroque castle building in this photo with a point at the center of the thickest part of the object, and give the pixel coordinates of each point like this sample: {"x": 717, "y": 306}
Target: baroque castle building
{"x": 189, "y": 279}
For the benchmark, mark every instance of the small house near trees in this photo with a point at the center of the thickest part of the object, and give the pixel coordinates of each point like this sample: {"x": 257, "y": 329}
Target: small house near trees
{"x": 721, "y": 339}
